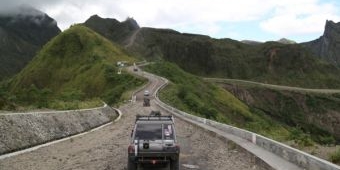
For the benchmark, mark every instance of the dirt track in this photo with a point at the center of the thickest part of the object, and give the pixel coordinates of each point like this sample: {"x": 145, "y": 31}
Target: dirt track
{"x": 106, "y": 149}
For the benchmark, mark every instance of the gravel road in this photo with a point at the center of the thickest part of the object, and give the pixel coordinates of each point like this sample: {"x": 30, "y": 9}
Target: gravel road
{"x": 106, "y": 148}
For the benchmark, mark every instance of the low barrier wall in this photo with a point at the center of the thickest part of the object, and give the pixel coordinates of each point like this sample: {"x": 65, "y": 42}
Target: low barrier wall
{"x": 22, "y": 130}
{"x": 297, "y": 157}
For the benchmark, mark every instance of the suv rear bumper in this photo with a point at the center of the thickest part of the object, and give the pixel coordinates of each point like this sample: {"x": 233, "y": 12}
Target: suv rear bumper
{"x": 153, "y": 158}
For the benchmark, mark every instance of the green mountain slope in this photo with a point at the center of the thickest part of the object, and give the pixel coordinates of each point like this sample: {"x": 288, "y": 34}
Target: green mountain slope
{"x": 271, "y": 62}
{"x": 22, "y": 35}
{"x": 79, "y": 65}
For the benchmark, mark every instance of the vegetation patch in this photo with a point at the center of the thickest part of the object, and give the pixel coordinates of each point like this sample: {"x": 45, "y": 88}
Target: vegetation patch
{"x": 311, "y": 116}
{"x": 335, "y": 157}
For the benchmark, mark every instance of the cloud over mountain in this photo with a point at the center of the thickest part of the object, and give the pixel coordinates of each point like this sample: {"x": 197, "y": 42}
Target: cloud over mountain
{"x": 218, "y": 18}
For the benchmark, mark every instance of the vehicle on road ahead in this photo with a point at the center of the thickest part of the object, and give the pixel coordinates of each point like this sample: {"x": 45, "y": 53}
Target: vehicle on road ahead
{"x": 153, "y": 143}
{"x": 146, "y": 93}
{"x": 146, "y": 102}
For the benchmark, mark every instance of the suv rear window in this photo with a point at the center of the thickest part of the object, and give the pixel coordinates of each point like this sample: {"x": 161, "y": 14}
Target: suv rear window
{"x": 148, "y": 131}
{"x": 154, "y": 131}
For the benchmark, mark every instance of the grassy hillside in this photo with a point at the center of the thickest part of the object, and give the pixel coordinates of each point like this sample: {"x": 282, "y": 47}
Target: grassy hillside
{"x": 196, "y": 96}
{"x": 313, "y": 113}
{"x": 77, "y": 65}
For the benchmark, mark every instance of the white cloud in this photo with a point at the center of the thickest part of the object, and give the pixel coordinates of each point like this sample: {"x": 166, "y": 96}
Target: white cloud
{"x": 284, "y": 18}
{"x": 300, "y": 17}
{"x": 165, "y": 13}
{"x": 169, "y": 12}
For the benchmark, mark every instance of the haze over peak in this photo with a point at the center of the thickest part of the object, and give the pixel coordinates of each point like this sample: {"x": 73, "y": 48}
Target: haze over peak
{"x": 24, "y": 10}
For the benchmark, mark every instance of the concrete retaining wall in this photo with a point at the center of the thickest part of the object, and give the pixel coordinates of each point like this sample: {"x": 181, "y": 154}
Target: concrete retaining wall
{"x": 23, "y": 130}
{"x": 299, "y": 158}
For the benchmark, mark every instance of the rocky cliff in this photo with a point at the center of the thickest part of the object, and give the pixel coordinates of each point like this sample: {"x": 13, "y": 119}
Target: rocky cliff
{"x": 327, "y": 47}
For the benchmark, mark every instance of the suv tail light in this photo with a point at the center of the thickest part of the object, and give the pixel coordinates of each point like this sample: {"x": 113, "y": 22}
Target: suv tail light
{"x": 177, "y": 147}
{"x": 131, "y": 149}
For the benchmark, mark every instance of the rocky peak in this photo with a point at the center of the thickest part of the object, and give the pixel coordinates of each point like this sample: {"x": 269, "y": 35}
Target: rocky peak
{"x": 132, "y": 24}
{"x": 331, "y": 29}
{"x": 286, "y": 41}
{"x": 113, "y": 29}
{"x": 97, "y": 19}
{"x": 327, "y": 47}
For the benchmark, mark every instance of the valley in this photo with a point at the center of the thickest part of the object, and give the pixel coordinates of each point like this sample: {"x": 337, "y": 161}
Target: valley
{"x": 287, "y": 91}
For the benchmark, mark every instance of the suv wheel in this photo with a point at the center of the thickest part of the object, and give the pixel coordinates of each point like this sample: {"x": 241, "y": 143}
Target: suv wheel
{"x": 174, "y": 164}
{"x": 131, "y": 165}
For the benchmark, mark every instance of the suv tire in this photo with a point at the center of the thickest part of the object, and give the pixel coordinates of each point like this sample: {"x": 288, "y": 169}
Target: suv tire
{"x": 131, "y": 165}
{"x": 174, "y": 164}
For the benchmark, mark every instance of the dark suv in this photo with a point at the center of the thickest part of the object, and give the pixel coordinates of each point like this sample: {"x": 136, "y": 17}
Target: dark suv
{"x": 153, "y": 143}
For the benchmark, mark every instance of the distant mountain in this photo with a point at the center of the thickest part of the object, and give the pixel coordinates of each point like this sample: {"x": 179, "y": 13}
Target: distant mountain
{"x": 286, "y": 41}
{"x": 251, "y": 42}
{"x": 270, "y": 62}
{"x": 78, "y": 64}
{"x": 112, "y": 29}
{"x": 327, "y": 47}
{"x": 22, "y": 33}
{"x": 282, "y": 41}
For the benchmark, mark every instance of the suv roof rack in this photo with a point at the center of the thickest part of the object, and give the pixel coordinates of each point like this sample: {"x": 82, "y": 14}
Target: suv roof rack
{"x": 153, "y": 118}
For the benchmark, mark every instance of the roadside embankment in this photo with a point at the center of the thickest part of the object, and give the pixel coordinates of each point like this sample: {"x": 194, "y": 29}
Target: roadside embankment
{"x": 22, "y": 130}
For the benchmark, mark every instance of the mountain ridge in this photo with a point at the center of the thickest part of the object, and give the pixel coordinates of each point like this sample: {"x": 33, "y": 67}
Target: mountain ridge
{"x": 269, "y": 62}
{"x": 22, "y": 35}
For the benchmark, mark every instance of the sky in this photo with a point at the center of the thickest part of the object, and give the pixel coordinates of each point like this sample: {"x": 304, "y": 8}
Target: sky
{"x": 259, "y": 20}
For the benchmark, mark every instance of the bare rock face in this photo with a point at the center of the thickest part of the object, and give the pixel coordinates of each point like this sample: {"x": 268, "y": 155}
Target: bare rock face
{"x": 327, "y": 47}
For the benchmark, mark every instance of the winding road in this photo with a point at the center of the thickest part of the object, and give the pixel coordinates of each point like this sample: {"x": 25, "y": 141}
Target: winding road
{"x": 106, "y": 148}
